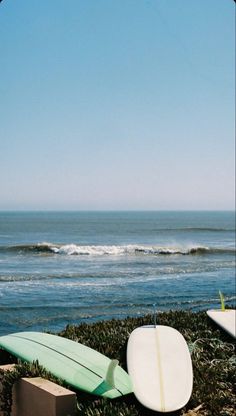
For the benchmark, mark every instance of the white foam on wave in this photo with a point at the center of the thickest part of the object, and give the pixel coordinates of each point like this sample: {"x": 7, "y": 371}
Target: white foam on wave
{"x": 71, "y": 249}
{"x": 119, "y": 250}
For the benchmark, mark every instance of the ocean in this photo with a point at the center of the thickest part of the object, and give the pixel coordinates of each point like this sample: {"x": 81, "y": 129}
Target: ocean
{"x": 59, "y": 268}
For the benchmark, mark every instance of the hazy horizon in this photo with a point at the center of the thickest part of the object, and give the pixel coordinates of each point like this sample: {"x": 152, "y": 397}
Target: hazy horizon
{"x": 113, "y": 210}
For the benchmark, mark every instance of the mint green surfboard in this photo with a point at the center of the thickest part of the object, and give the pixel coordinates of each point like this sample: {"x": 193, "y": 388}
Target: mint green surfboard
{"x": 80, "y": 366}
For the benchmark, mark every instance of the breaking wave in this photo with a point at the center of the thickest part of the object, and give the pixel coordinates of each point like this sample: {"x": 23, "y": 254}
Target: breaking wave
{"x": 113, "y": 250}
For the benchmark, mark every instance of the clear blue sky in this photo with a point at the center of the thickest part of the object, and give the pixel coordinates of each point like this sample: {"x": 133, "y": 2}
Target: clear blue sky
{"x": 117, "y": 104}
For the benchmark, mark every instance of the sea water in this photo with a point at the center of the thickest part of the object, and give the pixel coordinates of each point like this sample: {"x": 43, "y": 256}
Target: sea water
{"x": 59, "y": 268}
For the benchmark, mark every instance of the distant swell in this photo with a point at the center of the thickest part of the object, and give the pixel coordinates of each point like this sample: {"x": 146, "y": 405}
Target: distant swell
{"x": 200, "y": 229}
{"x": 113, "y": 250}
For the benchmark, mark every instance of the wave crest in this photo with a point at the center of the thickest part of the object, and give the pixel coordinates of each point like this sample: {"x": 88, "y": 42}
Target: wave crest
{"x": 112, "y": 250}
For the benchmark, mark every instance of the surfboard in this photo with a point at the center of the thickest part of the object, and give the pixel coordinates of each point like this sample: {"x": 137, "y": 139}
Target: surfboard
{"x": 160, "y": 366}
{"x": 80, "y": 366}
{"x": 225, "y": 318}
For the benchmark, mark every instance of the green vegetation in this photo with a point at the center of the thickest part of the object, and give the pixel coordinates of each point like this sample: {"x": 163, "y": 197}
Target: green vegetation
{"x": 212, "y": 353}
{"x": 222, "y": 301}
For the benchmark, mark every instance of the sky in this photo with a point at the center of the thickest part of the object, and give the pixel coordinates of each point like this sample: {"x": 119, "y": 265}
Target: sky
{"x": 117, "y": 105}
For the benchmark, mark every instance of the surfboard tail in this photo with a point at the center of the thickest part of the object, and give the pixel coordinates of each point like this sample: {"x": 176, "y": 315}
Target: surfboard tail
{"x": 109, "y": 380}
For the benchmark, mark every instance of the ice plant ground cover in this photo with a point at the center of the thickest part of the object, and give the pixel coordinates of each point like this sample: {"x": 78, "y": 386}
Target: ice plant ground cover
{"x": 212, "y": 353}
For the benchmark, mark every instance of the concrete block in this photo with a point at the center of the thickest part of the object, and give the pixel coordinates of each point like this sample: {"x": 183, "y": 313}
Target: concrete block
{"x": 7, "y": 367}
{"x": 39, "y": 397}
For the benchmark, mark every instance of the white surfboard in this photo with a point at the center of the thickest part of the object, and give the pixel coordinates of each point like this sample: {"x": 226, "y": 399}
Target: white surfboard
{"x": 160, "y": 367}
{"x": 226, "y": 319}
